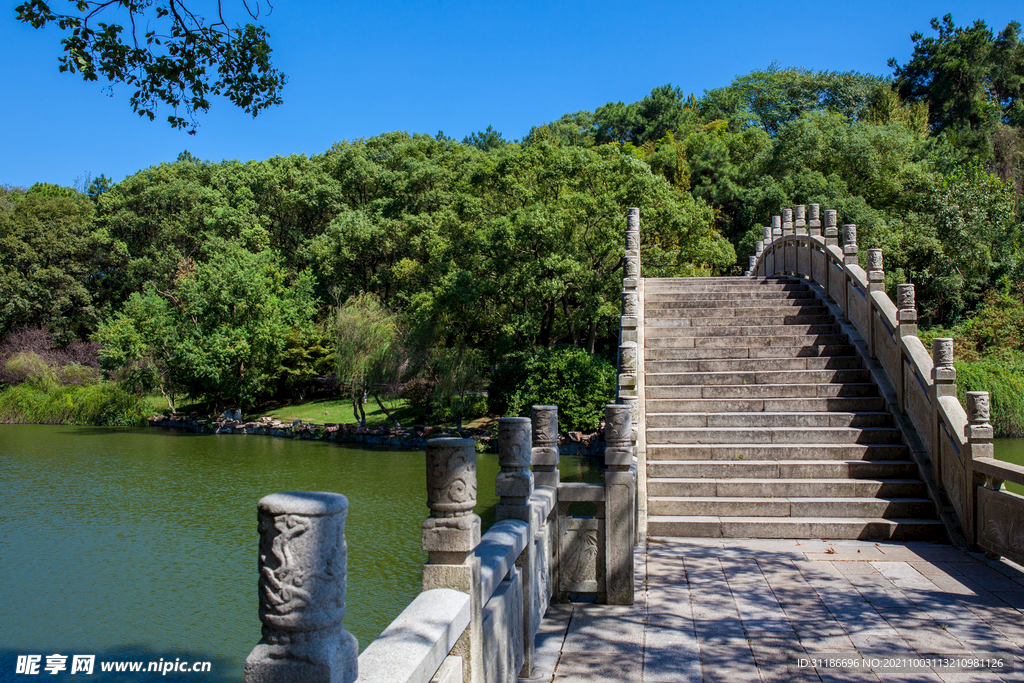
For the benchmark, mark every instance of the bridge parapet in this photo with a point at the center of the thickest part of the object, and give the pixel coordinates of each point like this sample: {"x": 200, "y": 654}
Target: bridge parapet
{"x": 484, "y": 595}
{"x": 955, "y": 456}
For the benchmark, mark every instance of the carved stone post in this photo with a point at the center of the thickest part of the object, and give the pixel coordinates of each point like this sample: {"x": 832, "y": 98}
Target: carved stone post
{"x": 876, "y": 283}
{"x": 619, "y": 505}
{"x": 979, "y": 435}
{"x": 800, "y": 219}
{"x": 303, "y": 565}
{"x": 766, "y": 234}
{"x": 906, "y": 326}
{"x": 627, "y": 368}
{"x": 450, "y": 536}
{"x": 544, "y": 453}
{"x": 787, "y": 221}
{"x": 831, "y": 228}
{"x": 514, "y": 487}
{"x": 758, "y": 247}
{"x": 514, "y": 484}
{"x": 814, "y": 220}
{"x": 850, "y": 244}
{"x": 943, "y": 384}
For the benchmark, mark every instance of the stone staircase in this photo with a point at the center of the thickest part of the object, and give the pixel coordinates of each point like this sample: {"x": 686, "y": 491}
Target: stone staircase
{"x": 762, "y": 422}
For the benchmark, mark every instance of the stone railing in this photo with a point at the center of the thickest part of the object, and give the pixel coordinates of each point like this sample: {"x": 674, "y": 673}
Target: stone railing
{"x": 631, "y": 365}
{"x": 483, "y": 595}
{"x": 952, "y": 445}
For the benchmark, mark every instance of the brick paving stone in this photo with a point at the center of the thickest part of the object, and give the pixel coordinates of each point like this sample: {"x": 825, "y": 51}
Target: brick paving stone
{"x": 587, "y": 667}
{"x": 902, "y": 575}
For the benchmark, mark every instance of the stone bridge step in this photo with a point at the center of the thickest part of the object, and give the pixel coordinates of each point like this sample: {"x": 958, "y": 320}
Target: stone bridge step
{"x": 875, "y": 529}
{"x": 667, "y": 470}
{"x": 761, "y": 488}
{"x": 655, "y": 312}
{"x": 781, "y": 452}
{"x": 680, "y": 296}
{"x": 745, "y": 341}
{"x": 788, "y": 506}
{"x": 748, "y": 321}
{"x": 754, "y": 364}
{"x": 765, "y": 405}
{"x": 656, "y": 420}
{"x": 770, "y": 435}
{"x": 740, "y": 331}
{"x": 661, "y": 379}
{"x": 729, "y": 288}
{"x": 726, "y": 353}
{"x": 741, "y": 304}
{"x": 765, "y": 391}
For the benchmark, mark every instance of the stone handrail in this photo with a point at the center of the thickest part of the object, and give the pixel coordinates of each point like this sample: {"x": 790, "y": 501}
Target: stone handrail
{"x": 483, "y": 595}
{"x": 951, "y": 444}
{"x": 631, "y": 365}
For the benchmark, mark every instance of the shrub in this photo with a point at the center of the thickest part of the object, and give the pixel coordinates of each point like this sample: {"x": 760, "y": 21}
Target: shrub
{"x": 579, "y": 383}
{"x": 103, "y": 404}
{"x": 1004, "y": 380}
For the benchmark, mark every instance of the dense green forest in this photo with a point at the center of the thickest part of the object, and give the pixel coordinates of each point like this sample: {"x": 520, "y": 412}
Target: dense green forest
{"x": 421, "y": 265}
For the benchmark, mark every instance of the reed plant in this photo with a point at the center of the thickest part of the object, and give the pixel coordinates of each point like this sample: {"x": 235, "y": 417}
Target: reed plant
{"x": 67, "y": 395}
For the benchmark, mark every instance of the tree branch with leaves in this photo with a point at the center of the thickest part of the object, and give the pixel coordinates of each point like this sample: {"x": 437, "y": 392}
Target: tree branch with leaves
{"x": 168, "y": 53}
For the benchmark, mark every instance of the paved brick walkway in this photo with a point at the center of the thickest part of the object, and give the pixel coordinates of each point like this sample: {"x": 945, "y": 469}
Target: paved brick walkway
{"x": 748, "y": 610}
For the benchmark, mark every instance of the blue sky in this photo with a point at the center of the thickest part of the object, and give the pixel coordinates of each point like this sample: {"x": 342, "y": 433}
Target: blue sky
{"x": 359, "y": 69}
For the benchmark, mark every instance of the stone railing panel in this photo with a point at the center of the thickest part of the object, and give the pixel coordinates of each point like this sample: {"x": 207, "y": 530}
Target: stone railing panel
{"x": 416, "y": 644}
{"x": 1000, "y": 523}
{"x": 858, "y": 309}
{"x": 837, "y": 285}
{"x": 503, "y": 630}
{"x": 818, "y": 265}
{"x": 887, "y": 346}
{"x": 803, "y": 259}
{"x": 917, "y": 405}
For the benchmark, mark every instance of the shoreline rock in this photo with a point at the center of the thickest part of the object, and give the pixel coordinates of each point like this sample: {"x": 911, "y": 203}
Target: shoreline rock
{"x": 405, "y": 438}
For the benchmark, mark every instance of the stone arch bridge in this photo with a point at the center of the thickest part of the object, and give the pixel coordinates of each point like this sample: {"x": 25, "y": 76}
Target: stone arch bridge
{"x": 792, "y": 492}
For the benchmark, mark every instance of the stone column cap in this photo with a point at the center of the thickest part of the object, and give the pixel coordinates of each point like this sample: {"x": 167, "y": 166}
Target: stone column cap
{"x": 452, "y": 441}
{"x": 312, "y": 503}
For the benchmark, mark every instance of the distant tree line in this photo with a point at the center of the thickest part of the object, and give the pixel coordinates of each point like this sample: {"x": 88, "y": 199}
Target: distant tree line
{"x": 409, "y": 260}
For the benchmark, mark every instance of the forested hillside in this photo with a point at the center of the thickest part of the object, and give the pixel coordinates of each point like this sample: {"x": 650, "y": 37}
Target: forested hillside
{"x": 408, "y": 260}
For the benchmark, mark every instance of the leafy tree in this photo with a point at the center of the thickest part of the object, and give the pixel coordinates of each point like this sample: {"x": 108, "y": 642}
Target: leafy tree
{"x": 968, "y": 77}
{"x": 48, "y": 252}
{"x": 369, "y": 356}
{"x": 485, "y": 140}
{"x": 139, "y": 345}
{"x": 580, "y": 384}
{"x": 171, "y": 61}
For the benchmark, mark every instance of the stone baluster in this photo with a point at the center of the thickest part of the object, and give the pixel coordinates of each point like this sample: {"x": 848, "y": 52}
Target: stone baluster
{"x": 776, "y": 227}
{"x": 619, "y": 504}
{"x": 979, "y": 435}
{"x": 814, "y": 220}
{"x": 876, "y": 283}
{"x": 800, "y": 219}
{"x": 627, "y": 368}
{"x": 779, "y": 253}
{"x": 831, "y": 229}
{"x": 514, "y": 484}
{"x": 544, "y": 453}
{"x": 631, "y": 274}
{"x": 766, "y": 239}
{"x": 787, "y": 221}
{"x": 302, "y": 564}
{"x": 450, "y": 536}
{"x": 850, "y": 244}
{"x": 758, "y": 247}
{"x": 906, "y": 326}
{"x": 751, "y": 265}
{"x": 943, "y": 384}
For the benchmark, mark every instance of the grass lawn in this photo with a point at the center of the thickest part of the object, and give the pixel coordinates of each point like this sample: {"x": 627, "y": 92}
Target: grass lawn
{"x": 336, "y": 410}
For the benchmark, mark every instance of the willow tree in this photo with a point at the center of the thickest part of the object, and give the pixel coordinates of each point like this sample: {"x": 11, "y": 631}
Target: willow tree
{"x": 369, "y": 356}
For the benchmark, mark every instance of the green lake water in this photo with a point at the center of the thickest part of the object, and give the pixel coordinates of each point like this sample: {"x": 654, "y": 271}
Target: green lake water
{"x": 141, "y": 543}
{"x": 1011, "y": 450}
